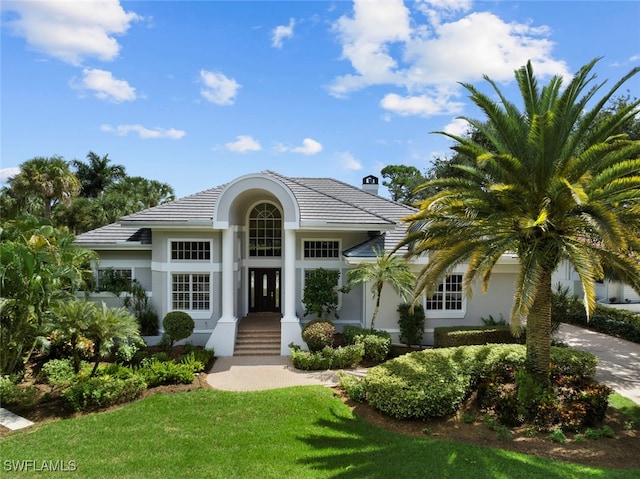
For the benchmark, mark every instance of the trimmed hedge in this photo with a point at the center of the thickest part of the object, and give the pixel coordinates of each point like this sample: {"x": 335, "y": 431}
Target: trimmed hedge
{"x": 614, "y": 322}
{"x": 433, "y": 383}
{"x": 377, "y": 343}
{"x": 329, "y": 358}
{"x": 451, "y": 336}
{"x": 101, "y": 391}
{"x": 318, "y": 334}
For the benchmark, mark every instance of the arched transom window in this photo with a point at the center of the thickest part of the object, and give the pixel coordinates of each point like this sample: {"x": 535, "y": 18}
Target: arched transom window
{"x": 265, "y": 231}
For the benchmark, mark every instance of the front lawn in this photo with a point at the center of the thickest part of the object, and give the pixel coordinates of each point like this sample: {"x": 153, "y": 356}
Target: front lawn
{"x": 302, "y": 432}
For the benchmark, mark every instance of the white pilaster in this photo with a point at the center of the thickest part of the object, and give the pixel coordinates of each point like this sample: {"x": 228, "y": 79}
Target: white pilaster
{"x": 223, "y": 337}
{"x": 290, "y": 331}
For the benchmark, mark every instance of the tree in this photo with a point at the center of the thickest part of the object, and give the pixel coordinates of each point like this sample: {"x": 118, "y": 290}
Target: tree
{"x": 107, "y": 326}
{"x": 70, "y": 321}
{"x": 403, "y": 181}
{"x": 387, "y": 268}
{"x": 97, "y": 174}
{"x": 47, "y": 178}
{"x": 320, "y": 294}
{"x": 39, "y": 265}
{"x": 133, "y": 194}
{"x": 554, "y": 183}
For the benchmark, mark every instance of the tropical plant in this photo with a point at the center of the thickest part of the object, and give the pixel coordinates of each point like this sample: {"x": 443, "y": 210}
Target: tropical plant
{"x": 108, "y": 326}
{"x": 96, "y": 174}
{"x": 387, "y": 268}
{"x": 555, "y": 182}
{"x": 70, "y": 322}
{"x": 47, "y": 178}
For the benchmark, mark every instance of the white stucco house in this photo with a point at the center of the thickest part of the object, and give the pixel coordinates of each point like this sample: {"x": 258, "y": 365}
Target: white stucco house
{"x": 242, "y": 249}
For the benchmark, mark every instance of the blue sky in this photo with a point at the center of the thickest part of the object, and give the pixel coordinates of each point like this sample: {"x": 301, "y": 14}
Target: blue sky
{"x": 197, "y": 93}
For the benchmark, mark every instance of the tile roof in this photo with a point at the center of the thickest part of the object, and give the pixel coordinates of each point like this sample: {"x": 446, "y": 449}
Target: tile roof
{"x": 320, "y": 200}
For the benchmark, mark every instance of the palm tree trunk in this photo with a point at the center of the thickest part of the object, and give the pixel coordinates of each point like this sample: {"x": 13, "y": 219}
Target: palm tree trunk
{"x": 375, "y": 311}
{"x": 538, "y": 358}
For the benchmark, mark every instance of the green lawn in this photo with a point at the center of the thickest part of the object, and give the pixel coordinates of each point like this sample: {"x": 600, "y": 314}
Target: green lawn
{"x": 302, "y": 432}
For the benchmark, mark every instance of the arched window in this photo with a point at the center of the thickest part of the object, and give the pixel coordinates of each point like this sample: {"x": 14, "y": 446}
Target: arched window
{"x": 265, "y": 231}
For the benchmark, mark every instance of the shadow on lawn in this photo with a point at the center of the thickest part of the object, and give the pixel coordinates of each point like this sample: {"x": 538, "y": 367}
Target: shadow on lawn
{"x": 388, "y": 454}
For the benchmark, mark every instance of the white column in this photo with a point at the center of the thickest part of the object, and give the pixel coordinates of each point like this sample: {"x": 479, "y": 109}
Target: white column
{"x": 290, "y": 324}
{"x": 223, "y": 337}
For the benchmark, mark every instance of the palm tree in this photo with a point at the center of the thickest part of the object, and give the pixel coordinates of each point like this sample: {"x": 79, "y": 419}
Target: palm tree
{"x": 553, "y": 183}
{"x": 387, "y": 268}
{"x": 71, "y": 320}
{"x": 96, "y": 174}
{"x": 46, "y": 178}
{"x": 109, "y": 325}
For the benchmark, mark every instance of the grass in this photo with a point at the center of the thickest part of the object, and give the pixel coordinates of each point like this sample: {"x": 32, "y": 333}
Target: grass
{"x": 303, "y": 432}
{"x": 626, "y": 406}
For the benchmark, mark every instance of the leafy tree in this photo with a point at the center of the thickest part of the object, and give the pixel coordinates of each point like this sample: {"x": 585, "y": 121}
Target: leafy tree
{"x": 39, "y": 265}
{"x": 402, "y": 182}
{"x": 554, "y": 184}
{"x": 320, "y": 294}
{"x": 133, "y": 194}
{"x": 387, "y": 268}
{"x": 49, "y": 179}
{"x": 97, "y": 174}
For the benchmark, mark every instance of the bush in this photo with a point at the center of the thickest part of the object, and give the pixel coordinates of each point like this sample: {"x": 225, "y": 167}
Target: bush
{"x": 328, "y": 358}
{"x": 58, "y": 372}
{"x": 615, "y": 322}
{"x": 349, "y": 333}
{"x": 205, "y": 356}
{"x": 177, "y": 325}
{"x": 376, "y": 348}
{"x": 318, "y": 334}
{"x": 418, "y": 385}
{"x": 451, "y": 336}
{"x": 411, "y": 323}
{"x": 191, "y": 361}
{"x": 102, "y": 391}
{"x": 353, "y": 386}
{"x": 157, "y": 373}
{"x": 15, "y": 395}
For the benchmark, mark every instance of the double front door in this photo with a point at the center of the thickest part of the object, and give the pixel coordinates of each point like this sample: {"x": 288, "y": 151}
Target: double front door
{"x": 264, "y": 290}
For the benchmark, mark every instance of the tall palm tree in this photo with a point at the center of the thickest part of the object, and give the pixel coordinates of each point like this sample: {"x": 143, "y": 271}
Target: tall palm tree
{"x": 387, "y": 268}
{"x": 46, "y": 178}
{"x": 96, "y": 174}
{"x": 553, "y": 183}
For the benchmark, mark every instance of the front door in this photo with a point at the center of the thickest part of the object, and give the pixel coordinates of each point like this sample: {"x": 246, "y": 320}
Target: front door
{"x": 264, "y": 290}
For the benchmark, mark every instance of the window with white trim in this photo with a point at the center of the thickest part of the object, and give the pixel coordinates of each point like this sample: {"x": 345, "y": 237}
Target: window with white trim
{"x": 448, "y": 296}
{"x": 321, "y": 249}
{"x": 108, "y": 278}
{"x": 265, "y": 231}
{"x": 190, "y": 291}
{"x": 190, "y": 250}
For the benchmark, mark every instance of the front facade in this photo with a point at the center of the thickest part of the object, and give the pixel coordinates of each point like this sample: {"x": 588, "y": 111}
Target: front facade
{"x": 244, "y": 248}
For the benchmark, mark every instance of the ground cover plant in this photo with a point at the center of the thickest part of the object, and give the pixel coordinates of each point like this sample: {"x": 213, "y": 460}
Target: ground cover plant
{"x": 302, "y": 432}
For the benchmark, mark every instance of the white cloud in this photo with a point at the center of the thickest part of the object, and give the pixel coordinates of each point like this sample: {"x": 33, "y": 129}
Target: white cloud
{"x": 217, "y": 88}
{"x": 422, "y": 105}
{"x": 71, "y": 31}
{"x": 105, "y": 86}
{"x": 458, "y": 127}
{"x": 7, "y": 173}
{"x": 349, "y": 162}
{"x": 243, "y": 144}
{"x": 309, "y": 147}
{"x": 428, "y": 51}
{"x": 144, "y": 133}
{"x": 281, "y": 32}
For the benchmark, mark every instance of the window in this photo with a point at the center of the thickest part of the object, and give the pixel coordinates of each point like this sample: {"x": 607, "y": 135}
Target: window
{"x": 190, "y": 292}
{"x": 190, "y": 250}
{"x": 448, "y": 296}
{"x": 114, "y": 279}
{"x": 265, "y": 231}
{"x": 321, "y": 249}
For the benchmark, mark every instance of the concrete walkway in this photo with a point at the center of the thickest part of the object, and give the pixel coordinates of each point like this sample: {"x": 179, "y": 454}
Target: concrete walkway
{"x": 618, "y": 360}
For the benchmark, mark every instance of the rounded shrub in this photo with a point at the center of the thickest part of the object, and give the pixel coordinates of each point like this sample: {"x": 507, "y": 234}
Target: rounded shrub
{"x": 177, "y": 325}
{"x": 318, "y": 334}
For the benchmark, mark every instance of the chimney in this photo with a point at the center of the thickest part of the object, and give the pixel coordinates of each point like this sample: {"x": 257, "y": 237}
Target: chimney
{"x": 370, "y": 184}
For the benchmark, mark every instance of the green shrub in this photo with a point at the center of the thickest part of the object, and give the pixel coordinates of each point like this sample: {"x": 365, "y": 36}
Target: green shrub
{"x": 557, "y": 436}
{"x": 97, "y": 392}
{"x": 58, "y": 373}
{"x": 13, "y": 394}
{"x": 191, "y": 361}
{"x": 177, "y": 325}
{"x": 418, "y": 385}
{"x": 615, "y": 322}
{"x": 328, "y": 358}
{"x": 318, "y": 334}
{"x": 205, "y": 356}
{"x": 128, "y": 349}
{"x": 349, "y": 333}
{"x": 451, "y": 336}
{"x": 353, "y": 386}
{"x": 571, "y": 362}
{"x": 411, "y": 323}
{"x": 376, "y": 348}
{"x": 156, "y": 373}
{"x": 115, "y": 370}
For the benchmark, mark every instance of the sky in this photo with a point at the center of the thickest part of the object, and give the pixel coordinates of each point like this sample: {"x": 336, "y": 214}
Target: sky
{"x": 198, "y": 93}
